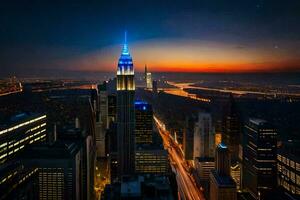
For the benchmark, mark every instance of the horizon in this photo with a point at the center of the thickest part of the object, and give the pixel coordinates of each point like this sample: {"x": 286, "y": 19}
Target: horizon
{"x": 201, "y": 36}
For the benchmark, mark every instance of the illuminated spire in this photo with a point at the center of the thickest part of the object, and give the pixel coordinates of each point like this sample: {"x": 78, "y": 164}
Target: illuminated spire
{"x": 125, "y": 50}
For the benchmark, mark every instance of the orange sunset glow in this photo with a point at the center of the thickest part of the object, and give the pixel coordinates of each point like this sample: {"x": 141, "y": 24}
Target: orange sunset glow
{"x": 191, "y": 56}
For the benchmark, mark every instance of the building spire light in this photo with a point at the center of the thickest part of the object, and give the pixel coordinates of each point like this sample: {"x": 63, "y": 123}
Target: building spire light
{"x": 125, "y": 50}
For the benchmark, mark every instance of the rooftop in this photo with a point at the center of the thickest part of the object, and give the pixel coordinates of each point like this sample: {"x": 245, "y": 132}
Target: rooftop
{"x": 257, "y": 121}
{"x": 223, "y": 181}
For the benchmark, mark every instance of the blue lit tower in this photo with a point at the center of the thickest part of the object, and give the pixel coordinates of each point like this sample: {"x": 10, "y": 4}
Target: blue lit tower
{"x": 125, "y": 112}
{"x": 222, "y": 186}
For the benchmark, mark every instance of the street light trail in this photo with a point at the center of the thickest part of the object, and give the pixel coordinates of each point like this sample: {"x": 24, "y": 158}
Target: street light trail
{"x": 185, "y": 181}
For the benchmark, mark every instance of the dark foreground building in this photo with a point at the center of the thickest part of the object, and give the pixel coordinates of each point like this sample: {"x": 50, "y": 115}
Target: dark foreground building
{"x": 16, "y": 134}
{"x": 259, "y": 158}
{"x": 222, "y": 186}
{"x": 141, "y": 187}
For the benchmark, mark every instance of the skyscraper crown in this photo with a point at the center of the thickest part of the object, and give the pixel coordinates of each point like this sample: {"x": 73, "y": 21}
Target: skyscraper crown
{"x": 125, "y": 71}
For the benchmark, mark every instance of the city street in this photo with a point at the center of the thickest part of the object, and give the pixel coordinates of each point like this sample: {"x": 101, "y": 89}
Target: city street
{"x": 186, "y": 183}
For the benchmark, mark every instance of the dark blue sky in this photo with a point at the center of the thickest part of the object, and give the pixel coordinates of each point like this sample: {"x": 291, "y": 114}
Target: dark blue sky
{"x": 52, "y": 35}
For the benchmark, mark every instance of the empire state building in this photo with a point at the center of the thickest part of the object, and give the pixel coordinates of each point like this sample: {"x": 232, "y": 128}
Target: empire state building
{"x": 125, "y": 112}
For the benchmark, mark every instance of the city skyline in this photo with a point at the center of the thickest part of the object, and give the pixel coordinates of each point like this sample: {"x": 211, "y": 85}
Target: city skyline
{"x": 199, "y": 36}
{"x": 198, "y": 100}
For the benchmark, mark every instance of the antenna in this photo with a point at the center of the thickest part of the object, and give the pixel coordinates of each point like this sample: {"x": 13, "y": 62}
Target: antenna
{"x": 125, "y": 36}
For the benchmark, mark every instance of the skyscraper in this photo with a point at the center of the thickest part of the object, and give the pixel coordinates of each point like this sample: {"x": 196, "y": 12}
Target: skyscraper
{"x": 16, "y": 134}
{"x": 288, "y": 166}
{"x": 222, "y": 186}
{"x": 204, "y": 148}
{"x": 145, "y": 73}
{"x": 231, "y": 129}
{"x": 204, "y": 136}
{"x": 149, "y": 80}
{"x": 125, "y": 112}
{"x": 143, "y": 123}
{"x": 188, "y": 138}
{"x": 102, "y": 119}
{"x": 259, "y": 158}
{"x": 154, "y": 86}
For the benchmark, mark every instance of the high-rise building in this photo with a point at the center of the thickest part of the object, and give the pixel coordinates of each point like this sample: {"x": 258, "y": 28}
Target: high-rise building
{"x": 112, "y": 109}
{"x": 145, "y": 73}
{"x": 59, "y": 170}
{"x": 188, "y": 138}
{"x": 222, "y": 186}
{"x": 204, "y": 148}
{"x": 112, "y": 152}
{"x": 18, "y": 132}
{"x": 102, "y": 120}
{"x": 154, "y": 87}
{"x": 143, "y": 122}
{"x": 288, "y": 168}
{"x": 204, "y": 137}
{"x": 259, "y": 158}
{"x": 149, "y": 80}
{"x": 231, "y": 129}
{"x": 125, "y": 112}
{"x": 150, "y": 159}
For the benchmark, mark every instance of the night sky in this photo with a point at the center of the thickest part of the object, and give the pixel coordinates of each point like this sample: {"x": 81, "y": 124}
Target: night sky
{"x": 202, "y": 36}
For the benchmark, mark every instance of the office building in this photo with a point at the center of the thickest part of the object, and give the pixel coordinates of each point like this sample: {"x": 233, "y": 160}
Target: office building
{"x": 113, "y": 152}
{"x": 21, "y": 130}
{"x": 102, "y": 120}
{"x": 125, "y": 112}
{"x": 259, "y": 158}
{"x": 204, "y": 166}
{"x": 204, "y": 137}
{"x": 145, "y": 74}
{"x": 112, "y": 109}
{"x": 188, "y": 138}
{"x": 143, "y": 122}
{"x": 231, "y": 129}
{"x": 149, "y": 80}
{"x": 154, "y": 86}
{"x": 18, "y": 132}
{"x": 151, "y": 159}
{"x": 222, "y": 186}
{"x": 140, "y": 187}
{"x": 59, "y": 170}
{"x": 71, "y": 107}
{"x": 288, "y": 168}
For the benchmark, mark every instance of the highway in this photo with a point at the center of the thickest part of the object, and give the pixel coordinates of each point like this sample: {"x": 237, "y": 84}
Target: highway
{"x": 13, "y": 92}
{"x": 186, "y": 183}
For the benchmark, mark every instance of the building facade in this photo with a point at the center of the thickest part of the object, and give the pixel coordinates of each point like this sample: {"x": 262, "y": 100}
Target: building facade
{"x": 143, "y": 122}
{"x": 188, "y": 138}
{"x": 125, "y": 112}
{"x": 102, "y": 119}
{"x": 204, "y": 137}
{"x": 232, "y": 129}
{"x": 288, "y": 168}
{"x": 149, "y": 80}
{"x": 259, "y": 158}
{"x": 151, "y": 160}
{"x": 19, "y": 132}
{"x": 222, "y": 186}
